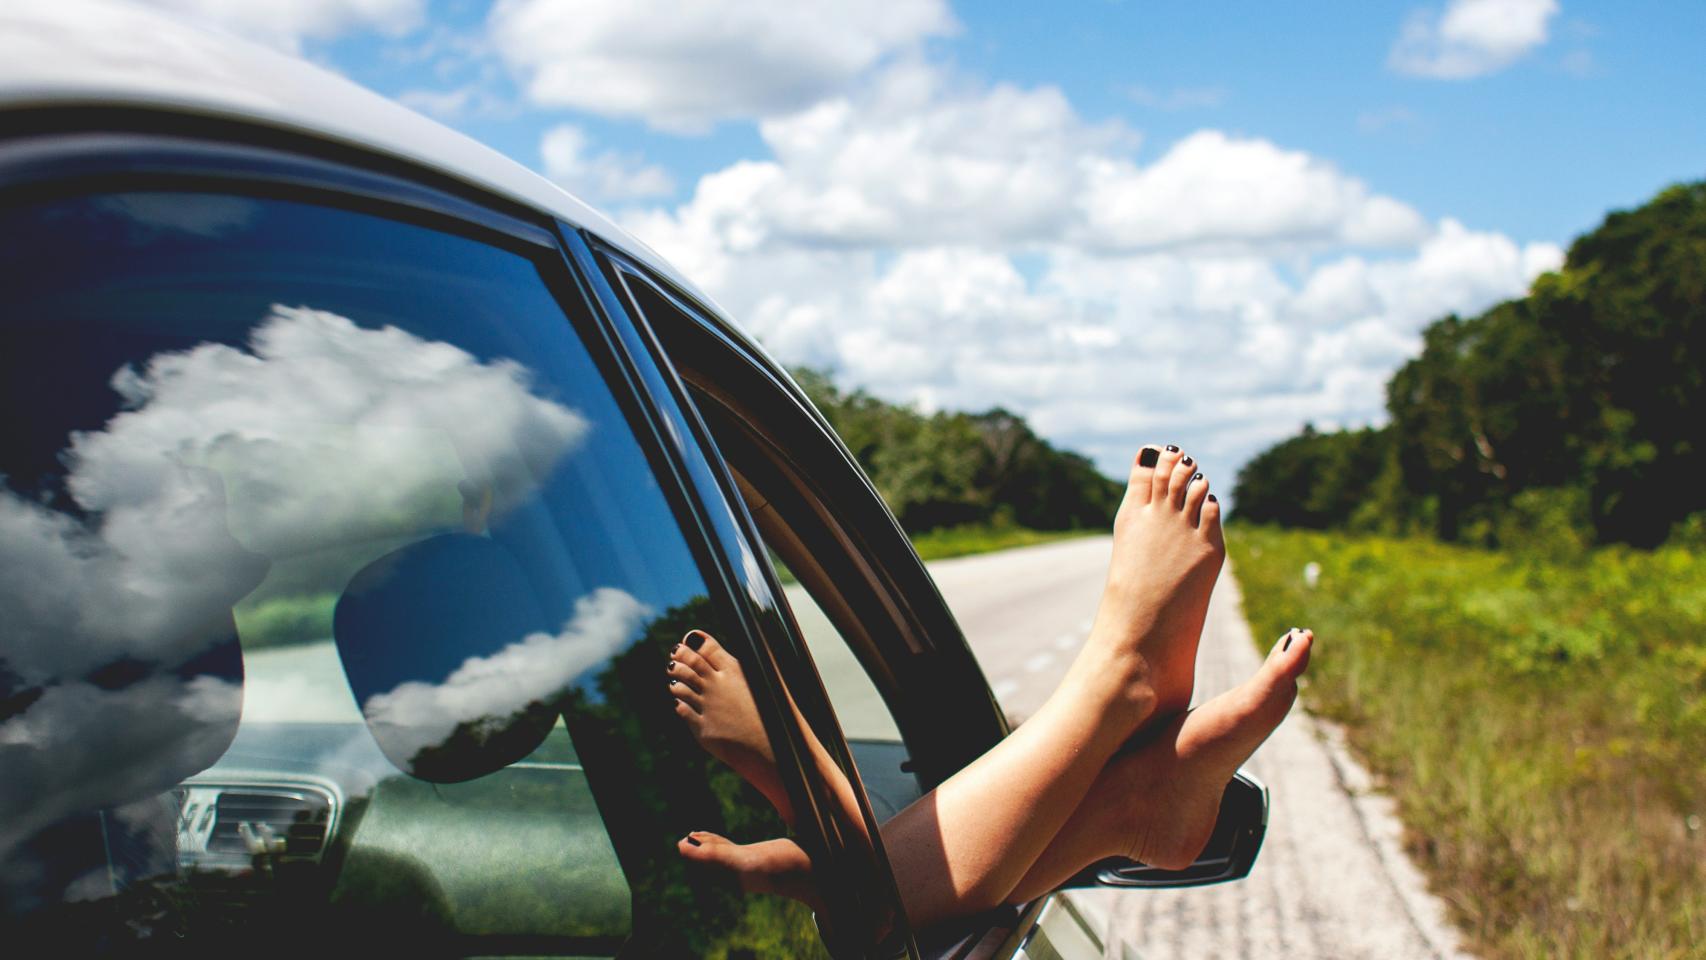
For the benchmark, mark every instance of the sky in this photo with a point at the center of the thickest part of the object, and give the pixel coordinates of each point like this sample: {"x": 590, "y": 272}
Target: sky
{"x": 1203, "y": 224}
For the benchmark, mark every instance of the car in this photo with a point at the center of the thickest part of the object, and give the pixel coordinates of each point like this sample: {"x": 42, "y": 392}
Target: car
{"x": 357, "y": 484}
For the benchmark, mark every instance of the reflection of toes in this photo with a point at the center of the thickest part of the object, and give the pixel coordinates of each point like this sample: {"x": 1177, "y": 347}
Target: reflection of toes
{"x": 691, "y": 662}
{"x": 713, "y": 653}
{"x": 777, "y": 867}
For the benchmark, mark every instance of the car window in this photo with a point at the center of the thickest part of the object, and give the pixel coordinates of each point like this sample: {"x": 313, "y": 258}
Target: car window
{"x": 337, "y": 596}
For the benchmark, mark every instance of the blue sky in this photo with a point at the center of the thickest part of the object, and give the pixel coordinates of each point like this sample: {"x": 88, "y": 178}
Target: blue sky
{"x": 1130, "y": 221}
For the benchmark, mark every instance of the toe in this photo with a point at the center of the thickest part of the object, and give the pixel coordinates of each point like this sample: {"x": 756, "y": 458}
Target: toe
{"x": 1142, "y": 480}
{"x": 693, "y": 662}
{"x": 1195, "y": 495}
{"x": 1210, "y": 521}
{"x": 713, "y": 652}
{"x": 1290, "y": 654}
{"x": 1164, "y": 466}
{"x": 689, "y": 714}
{"x": 682, "y": 674}
{"x": 1179, "y": 481}
{"x": 687, "y": 695}
{"x": 703, "y": 845}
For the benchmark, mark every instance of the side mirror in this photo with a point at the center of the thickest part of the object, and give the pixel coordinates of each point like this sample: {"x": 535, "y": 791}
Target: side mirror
{"x": 1229, "y": 855}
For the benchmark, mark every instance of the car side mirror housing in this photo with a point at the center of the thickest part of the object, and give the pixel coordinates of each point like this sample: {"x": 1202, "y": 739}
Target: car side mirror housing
{"x": 1229, "y": 855}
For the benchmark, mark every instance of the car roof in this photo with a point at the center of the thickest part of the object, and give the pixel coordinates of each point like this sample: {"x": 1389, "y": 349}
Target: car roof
{"x": 112, "y": 54}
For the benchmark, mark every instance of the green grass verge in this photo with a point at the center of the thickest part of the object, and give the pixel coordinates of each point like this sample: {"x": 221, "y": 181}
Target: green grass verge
{"x": 984, "y": 538}
{"x": 1541, "y": 721}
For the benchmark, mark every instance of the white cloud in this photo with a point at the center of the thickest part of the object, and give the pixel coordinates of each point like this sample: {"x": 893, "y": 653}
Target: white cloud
{"x": 489, "y": 691}
{"x": 284, "y": 24}
{"x": 683, "y": 66}
{"x": 607, "y": 175}
{"x": 319, "y": 434}
{"x": 1470, "y": 38}
{"x": 1211, "y": 189}
{"x": 959, "y": 246}
{"x": 917, "y": 159}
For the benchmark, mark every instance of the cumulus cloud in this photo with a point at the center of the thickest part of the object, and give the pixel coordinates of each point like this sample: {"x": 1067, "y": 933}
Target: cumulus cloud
{"x": 918, "y": 159}
{"x": 119, "y": 671}
{"x": 285, "y": 24}
{"x": 484, "y": 693}
{"x": 1212, "y": 189}
{"x": 605, "y": 175}
{"x": 684, "y": 66}
{"x": 1470, "y": 38}
{"x": 959, "y": 245}
{"x": 323, "y": 431}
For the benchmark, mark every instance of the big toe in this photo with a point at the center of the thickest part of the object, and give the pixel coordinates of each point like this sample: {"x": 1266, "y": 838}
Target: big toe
{"x": 1290, "y": 655}
{"x": 707, "y": 847}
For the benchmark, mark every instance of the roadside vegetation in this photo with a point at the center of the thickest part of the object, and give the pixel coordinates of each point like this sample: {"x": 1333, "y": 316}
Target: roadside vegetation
{"x": 945, "y": 542}
{"x": 963, "y": 483}
{"x": 1540, "y": 720}
{"x": 1510, "y": 577}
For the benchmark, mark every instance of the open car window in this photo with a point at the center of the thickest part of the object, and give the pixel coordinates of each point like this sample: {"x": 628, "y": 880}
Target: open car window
{"x": 337, "y": 599}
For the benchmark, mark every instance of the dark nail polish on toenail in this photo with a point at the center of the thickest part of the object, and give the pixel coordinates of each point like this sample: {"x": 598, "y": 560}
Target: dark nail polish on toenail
{"x": 1196, "y": 478}
{"x": 1213, "y": 499}
{"x": 1147, "y": 457}
{"x": 1187, "y": 461}
{"x": 692, "y": 842}
{"x": 1287, "y": 643}
{"x": 1172, "y": 449}
{"x": 695, "y": 641}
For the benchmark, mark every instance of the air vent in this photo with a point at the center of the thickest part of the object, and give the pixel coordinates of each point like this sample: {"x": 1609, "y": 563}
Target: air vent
{"x": 227, "y": 825}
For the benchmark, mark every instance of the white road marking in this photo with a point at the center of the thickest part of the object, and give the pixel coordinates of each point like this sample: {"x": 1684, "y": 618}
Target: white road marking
{"x": 1065, "y": 642}
{"x": 1038, "y": 662}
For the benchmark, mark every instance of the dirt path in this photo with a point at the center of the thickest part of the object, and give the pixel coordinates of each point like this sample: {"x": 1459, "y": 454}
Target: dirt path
{"x": 1332, "y": 881}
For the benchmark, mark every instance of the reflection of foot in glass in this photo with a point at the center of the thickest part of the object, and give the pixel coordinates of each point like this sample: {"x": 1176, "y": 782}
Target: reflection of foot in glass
{"x": 711, "y": 694}
{"x": 770, "y": 866}
{"x": 1158, "y": 803}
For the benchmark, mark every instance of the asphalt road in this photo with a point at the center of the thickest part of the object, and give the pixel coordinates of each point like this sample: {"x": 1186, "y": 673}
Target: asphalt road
{"x": 1331, "y": 882}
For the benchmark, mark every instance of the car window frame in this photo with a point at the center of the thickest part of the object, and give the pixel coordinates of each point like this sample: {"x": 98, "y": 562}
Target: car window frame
{"x": 922, "y": 645}
{"x": 46, "y": 154}
{"x": 854, "y": 865}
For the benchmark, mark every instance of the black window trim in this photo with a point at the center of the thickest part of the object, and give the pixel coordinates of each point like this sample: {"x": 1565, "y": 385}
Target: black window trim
{"x": 852, "y": 867}
{"x": 56, "y": 154}
{"x": 926, "y": 647}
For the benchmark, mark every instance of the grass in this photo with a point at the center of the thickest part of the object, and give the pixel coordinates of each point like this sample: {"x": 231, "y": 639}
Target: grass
{"x": 970, "y": 538}
{"x": 1540, "y": 719}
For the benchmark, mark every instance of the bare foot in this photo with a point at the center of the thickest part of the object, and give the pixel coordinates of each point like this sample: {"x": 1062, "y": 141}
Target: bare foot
{"x": 711, "y": 694}
{"x": 1173, "y": 783}
{"x": 1158, "y": 802}
{"x": 777, "y": 867}
{"x": 1167, "y": 553}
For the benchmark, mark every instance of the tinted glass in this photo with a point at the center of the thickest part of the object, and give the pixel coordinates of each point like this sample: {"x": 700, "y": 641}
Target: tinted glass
{"x": 335, "y": 594}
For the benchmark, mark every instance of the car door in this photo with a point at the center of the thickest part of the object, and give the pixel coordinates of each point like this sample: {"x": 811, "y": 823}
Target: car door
{"x": 907, "y": 692}
{"x": 345, "y": 538}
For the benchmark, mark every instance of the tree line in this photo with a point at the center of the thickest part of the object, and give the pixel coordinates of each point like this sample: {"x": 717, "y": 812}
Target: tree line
{"x": 950, "y": 468}
{"x": 1575, "y": 414}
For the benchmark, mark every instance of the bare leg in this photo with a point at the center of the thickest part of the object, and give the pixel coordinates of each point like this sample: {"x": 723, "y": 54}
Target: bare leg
{"x": 966, "y": 845}
{"x": 777, "y": 867}
{"x": 711, "y": 694}
{"x": 1158, "y": 803}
